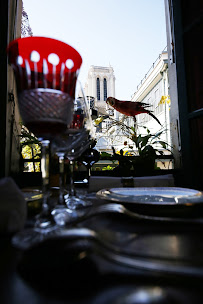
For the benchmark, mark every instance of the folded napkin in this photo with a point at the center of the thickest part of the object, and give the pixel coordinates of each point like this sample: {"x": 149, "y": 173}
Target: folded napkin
{"x": 13, "y": 208}
{"x": 97, "y": 183}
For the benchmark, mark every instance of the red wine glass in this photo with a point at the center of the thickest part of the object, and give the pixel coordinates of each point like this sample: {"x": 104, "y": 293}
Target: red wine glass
{"x": 46, "y": 72}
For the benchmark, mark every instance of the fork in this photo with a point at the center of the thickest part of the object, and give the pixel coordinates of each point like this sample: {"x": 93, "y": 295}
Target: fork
{"x": 120, "y": 209}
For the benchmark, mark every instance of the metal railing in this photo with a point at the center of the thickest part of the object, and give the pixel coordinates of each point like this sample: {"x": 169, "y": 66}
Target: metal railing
{"x": 149, "y": 71}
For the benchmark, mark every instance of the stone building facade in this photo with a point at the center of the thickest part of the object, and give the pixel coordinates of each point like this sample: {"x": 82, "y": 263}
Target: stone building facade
{"x": 100, "y": 84}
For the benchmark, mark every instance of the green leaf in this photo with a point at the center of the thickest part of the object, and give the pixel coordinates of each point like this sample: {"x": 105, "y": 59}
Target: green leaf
{"x": 163, "y": 144}
{"x": 145, "y": 140}
{"x": 161, "y": 152}
{"x": 157, "y": 134}
{"x": 105, "y": 154}
{"x": 138, "y": 141}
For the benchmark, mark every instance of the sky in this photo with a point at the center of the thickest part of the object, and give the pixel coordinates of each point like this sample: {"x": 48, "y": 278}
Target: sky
{"x": 127, "y": 35}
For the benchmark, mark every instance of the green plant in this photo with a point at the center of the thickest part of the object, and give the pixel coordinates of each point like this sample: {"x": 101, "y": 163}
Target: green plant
{"x": 145, "y": 145}
{"x": 150, "y": 144}
{"x": 149, "y": 148}
{"x": 107, "y": 168}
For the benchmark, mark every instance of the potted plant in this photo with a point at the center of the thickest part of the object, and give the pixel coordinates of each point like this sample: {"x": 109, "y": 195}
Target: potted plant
{"x": 146, "y": 149}
{"x": 149, "y": 149}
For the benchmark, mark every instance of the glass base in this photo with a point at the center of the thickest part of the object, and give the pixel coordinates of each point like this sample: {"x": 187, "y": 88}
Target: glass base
{"x": 31, "y": 237}
{"x": 76, "y": 201}
{"x": 63, "y": 215}
{"x": 44, "y": 227}
{"x": 44, "y": 222}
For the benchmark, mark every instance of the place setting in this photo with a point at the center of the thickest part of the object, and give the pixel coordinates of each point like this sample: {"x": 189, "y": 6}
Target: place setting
{"x": 60, "y": 237}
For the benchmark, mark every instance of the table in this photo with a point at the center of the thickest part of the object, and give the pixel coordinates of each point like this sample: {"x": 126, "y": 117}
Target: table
{"x": 94, "y": 279}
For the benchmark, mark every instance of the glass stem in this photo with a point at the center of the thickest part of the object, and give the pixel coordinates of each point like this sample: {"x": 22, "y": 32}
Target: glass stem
{"x": 61, "y": 178}
{"x": 89, "y": 171}
{"x": 72, "y": 186}
{"x": 45, "y": 174}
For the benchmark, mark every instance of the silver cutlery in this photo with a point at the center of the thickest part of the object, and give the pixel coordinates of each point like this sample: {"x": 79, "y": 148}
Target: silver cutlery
{"x": 103, "y": 247}
{"x": 80, "y": 215}
{"x": 120, "y": 209}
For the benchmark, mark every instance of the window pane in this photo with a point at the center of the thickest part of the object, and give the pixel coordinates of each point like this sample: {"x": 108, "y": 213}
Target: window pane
{"x": 98, "y": 89}
{"x": 105, "y": 89}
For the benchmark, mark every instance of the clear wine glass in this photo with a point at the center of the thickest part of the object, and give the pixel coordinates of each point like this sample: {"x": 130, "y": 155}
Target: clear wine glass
{"x": 46, "y": 72}
{"x": 73, "y": 199}
{"x": 60, "y": 146}
{"x": 71, "y": 144}
{"x": 89, "y": 158}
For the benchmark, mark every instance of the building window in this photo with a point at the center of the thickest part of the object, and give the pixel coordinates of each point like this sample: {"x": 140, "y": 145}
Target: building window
{"x": 98, "y": 89}
{"x": 105, "y": 89}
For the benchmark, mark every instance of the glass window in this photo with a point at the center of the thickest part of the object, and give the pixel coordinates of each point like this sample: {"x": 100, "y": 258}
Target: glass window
{"x": 105, "y": 89}
{"x": 98, "y": 89}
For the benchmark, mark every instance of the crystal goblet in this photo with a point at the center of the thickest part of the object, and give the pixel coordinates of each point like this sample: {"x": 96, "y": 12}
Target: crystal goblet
{"x": 46, "y": 72}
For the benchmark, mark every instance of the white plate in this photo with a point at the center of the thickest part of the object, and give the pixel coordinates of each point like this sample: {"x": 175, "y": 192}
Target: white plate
{"x": 161, "y": 196}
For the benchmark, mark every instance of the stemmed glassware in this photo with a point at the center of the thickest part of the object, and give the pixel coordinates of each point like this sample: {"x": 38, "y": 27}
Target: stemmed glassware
{"x": 46, "y": 72}
{"x": 89, "y": 158}
{"x": 71, "y": 144}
